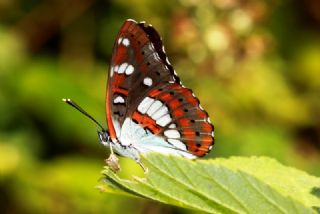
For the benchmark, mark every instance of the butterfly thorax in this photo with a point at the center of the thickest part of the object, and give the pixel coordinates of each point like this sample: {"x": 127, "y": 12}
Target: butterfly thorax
{"x": 126, "y": 150}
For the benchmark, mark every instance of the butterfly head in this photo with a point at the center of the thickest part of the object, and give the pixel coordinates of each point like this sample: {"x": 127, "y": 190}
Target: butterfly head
{"x": 104, "y": 137}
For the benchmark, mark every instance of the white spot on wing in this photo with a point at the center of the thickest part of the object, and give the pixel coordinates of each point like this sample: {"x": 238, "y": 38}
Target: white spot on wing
{"x": 172, "y": 126}
{"x": 154, "y": 107}
{"x": 118, "y": 99}
{"x": 151, "y": 47}
{"x": 165, "y": 120}
{"x": 129, "y": 69}
{"x": 167, "y": 60}
{"x": 122, "y": 68}
{"x": 159, "y": 113}
{"x": 131, "y": 20}
{"x": 147, "y": 81}
{"x": 119, "y": 40}
{"x": 156, "y": 56}
{"x": 172, "y": 134}
{"x": 163, "y": 49}
{"x": 145, "y": 104}
{"x": 111, "y": 71}
{"x": 178, "y": 144}
{"x": 126, "y": 42}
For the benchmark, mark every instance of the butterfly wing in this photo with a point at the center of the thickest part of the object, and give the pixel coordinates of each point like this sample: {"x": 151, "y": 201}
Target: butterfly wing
{"x": 144, "y": 87}
{"x": 137, "y": 54}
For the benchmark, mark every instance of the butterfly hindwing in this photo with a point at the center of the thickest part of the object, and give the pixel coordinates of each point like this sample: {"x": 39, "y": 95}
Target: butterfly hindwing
{"x": 173, "y": 113}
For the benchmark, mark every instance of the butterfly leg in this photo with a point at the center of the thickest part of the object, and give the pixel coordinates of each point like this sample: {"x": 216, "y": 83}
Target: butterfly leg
{"x": 145, "y": 169}
{"x": 136, "y": 157}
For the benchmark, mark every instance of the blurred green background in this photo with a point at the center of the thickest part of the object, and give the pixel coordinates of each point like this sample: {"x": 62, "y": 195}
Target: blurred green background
{"x": 255, "y": 66}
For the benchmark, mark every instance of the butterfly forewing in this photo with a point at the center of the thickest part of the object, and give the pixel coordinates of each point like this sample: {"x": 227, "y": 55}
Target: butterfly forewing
{"x": 137, "y": 65}
{"x": 143, "y": 87}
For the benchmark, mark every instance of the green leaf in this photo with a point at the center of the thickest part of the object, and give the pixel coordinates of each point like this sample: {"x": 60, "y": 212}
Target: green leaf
{"x": 234, "y": 185}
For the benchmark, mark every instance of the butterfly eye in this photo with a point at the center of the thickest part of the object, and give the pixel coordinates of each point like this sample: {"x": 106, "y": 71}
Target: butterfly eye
{"x": 192, "y": 121}
{"x": 198, "y": 133}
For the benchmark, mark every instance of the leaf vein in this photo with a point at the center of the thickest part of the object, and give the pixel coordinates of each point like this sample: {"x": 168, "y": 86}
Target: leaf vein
{"x": 190, "y": 188}
{"x": 262, "y": 194}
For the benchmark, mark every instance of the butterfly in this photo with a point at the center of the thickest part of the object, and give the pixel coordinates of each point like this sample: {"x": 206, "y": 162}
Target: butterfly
{"x": 147, "y": 107}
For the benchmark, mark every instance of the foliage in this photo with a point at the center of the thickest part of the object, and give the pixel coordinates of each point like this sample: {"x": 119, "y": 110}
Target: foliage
{"x": 253, "y": 64}
{"x": 234, "y": 185}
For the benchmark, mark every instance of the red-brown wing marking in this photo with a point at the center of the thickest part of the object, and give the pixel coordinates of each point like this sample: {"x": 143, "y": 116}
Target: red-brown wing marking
{"x": 146, "y": 122}
{"x": 189, "y": 119}
{"x": 138, "y": 53}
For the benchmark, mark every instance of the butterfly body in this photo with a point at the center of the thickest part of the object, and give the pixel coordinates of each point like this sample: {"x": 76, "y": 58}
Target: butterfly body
{"x": 148, "y": 109}
{"x": 137, "y": 140}
{"x": 122, "y": 150}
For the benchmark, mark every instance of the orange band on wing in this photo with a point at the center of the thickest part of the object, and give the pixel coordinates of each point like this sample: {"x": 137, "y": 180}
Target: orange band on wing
{"x": 146, "y": 122}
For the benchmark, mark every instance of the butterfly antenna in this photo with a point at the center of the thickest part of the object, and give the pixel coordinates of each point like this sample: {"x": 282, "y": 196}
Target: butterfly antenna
{"x": 76, "y": 106}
